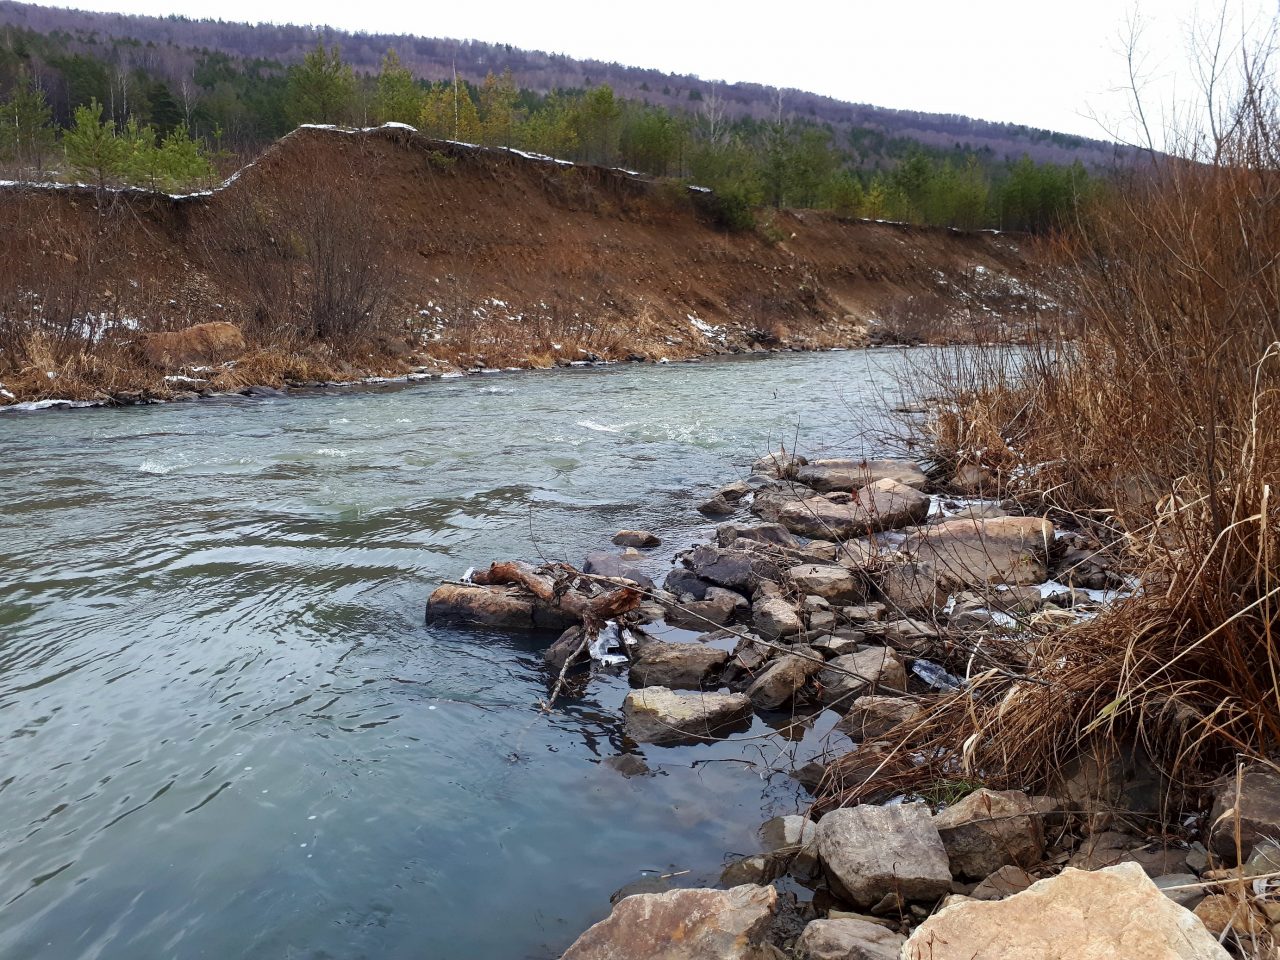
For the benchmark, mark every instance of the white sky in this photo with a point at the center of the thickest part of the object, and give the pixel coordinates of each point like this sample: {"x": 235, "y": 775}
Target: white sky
{"x": 1048, "y": 64}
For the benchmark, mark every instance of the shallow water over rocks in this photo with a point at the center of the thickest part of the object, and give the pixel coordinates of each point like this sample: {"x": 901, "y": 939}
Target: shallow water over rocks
{"x": 227, "y": 731}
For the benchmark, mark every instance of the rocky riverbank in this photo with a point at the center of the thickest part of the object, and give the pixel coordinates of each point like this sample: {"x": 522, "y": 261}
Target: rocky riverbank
{"x": 871, "y": 589}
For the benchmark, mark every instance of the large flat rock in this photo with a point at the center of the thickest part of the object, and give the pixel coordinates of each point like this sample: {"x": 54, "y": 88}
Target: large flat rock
{"x": 882, "y": 505}
{"x": 974, "y": 553}
{"x": 677, "y": 666}
{"x": 661, "y": 716}
{"x": 683, "y": 925}
{"x": 827, "y": 476}
{"x": 1116, "y": 913}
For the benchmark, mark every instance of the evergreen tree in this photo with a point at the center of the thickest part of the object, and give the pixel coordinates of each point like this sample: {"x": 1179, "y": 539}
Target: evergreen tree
{"x": 398, "y": 97}
{"x": 183, "y": 159}
{"x": 26, "y": 125}
{"x": 140, "y": 162}
{"x": 597, "y": 121}
{"x": 321, "y": 89}
{"x": 92, "y": 147}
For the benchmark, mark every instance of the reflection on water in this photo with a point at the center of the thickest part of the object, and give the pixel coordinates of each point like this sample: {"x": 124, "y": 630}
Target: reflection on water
{"x": 226, "y": 730}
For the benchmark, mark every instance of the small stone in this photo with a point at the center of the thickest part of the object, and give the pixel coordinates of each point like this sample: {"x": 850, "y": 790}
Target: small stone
{"x": 771, "y": 533}
{"x": 760, "y": 868}
{"x": 716, "y": 507}
{"x": 864, "y": 612}
{"x": 847, "y": 677}
{"x": 775, "y": 618}
{"x": 1005, "y": 882}
{"x": 839, "y": 642}
{"x": 848, "y": 940}
{"x": 627, "y": 764}
{"x": 1182, "y": 888}
{"x": 835, "y": 584}
{"x": 1257, "y": 809}
{"x": 872, "y": 716}
{"x": 784, "y": 679}
{"x": 821, "y": 620}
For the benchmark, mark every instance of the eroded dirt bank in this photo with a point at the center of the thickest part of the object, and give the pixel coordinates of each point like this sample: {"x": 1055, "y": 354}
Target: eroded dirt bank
{"x": 339, "y": 254}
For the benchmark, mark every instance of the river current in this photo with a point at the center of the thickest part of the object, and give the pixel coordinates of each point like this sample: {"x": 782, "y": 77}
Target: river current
{"x": 226, "y": 730}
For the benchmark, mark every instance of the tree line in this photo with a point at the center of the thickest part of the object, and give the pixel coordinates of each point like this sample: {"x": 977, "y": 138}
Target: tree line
{"x": 110, "y": 126}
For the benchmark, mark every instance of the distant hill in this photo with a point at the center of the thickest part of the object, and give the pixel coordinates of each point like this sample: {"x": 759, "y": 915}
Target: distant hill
{"x": 171, "y": 47}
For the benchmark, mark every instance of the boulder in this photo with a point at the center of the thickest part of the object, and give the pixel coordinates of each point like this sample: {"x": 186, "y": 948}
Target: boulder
{"x": 835, "y": 584}
{"x": 848, "y": 940}
{"x": 204, "y": 343}
{"x": 848, "y": 677}
{"x": 989, "y": 829}
{"x": 872, "y": 716}
{"x": 882, "y": 505}
{"x": 1256, "y": 808}
{"x": 691, "y": 924}
{"x": 678, "y": 666}
{"x": 908, "y": 635}
{"x": 507, "y": 607}
{"x": 869, "y": 853}
{"x": 788, "y": 832}
{"x": 913, "y": 589}
{"x": 827, "y": 476}
{"x": 636, "y": 538}
{"x": 775, "y": 618}
{"x": 758, "y": 868}
{"x": 602, "y": 563}
{"x": 565, "y": 648}
{"x": 733, "y": 492}
{"x": 716, "y": 506}
{"x": 661, "y": 716}
{"x": 970, "y": 553}
{"x": 748, "y": 656}
{"x": 1077, "y": 915}
{"x": 785, "y": 677}
{"x": 719, "y": 607}
{"x": 681, "y": 581}
{"x": 771, "y": 533}
{"x": 736, "y": 569}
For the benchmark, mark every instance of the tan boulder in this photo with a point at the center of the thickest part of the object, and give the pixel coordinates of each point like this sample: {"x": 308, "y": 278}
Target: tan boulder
{"x": 683, "y": 925}
{"x": 972, "y": 553}
{"x": 1077, "y": 915}
{"x": 508, "y": 607}
{"x": 203, "y": 343}
{"x": 662, "y": 716}
{"x": 827, "y": 476}
{"x": 990, "y": 829}
{"x": 883, "y": 505}
{"x": 871, "y": 852}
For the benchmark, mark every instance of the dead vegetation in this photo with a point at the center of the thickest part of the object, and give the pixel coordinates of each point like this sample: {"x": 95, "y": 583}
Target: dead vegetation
{"x": 1153, "y": 421}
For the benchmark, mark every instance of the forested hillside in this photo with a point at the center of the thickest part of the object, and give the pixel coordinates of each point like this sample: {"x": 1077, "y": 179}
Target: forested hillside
{"x": 162, "y": 102}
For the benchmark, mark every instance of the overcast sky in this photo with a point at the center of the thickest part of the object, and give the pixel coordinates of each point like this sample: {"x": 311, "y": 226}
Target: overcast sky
{"x": 1049, "y": 64}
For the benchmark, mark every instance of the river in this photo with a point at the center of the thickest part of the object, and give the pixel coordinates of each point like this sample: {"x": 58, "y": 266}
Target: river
{"x": 227, "y": 731}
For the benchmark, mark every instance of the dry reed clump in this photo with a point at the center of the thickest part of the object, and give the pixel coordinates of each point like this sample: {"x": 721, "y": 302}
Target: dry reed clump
{"x": 1155, "y": 421}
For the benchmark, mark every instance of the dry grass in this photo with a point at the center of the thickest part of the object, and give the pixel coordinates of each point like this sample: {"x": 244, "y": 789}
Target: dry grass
{"x": 1155, "y": 421}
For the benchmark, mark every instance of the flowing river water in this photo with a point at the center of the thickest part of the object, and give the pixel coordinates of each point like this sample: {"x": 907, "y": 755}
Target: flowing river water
{"x": 227, "y": 731}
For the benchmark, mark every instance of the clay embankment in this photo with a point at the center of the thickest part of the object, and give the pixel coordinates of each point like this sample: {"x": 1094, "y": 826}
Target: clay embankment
{"x": 339, "y": 254}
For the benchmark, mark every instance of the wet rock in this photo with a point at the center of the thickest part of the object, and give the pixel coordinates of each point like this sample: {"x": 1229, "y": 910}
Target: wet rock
{"x": 690, "y": 924}
{"x": 839, "y": 642}
{"x": 1005, "y": 882}
{"x": 718, "y": 608}
{"x": 628, "y": 764}
{"x": 1256, "y": 808}
{"x": 602, "y": 563}
{"x": 1112, "y": 913}
{"x": 787, "y": 833}
{"x": 883, "y": 505}
{"x": 783, "y": 679}
{"x": 760, "y": 868}
{"x": 661, "y": 716}
{"x": 989, "y": 829}
{"x": 848, "y": 940}
{"x": 203, "y": 343}
{"x": 870, "y": 852}
{"x": 678, "y": 666}
{"x": 636, "y": 538}
{"x": 733, "y": 492}
{"x": 509, "y": 608}
{"x": 681, "y": 581}
{"x": 716, "y": 507}
{"x": 774, "y": 618}
{"x": 772, "y": 533}
{"x": 1009, "y": 550}
{"x": 566, "y": 646}
{"x": 834, "y": 584}
{"x": 748, "y": 656}
{"x": 872, "y": 716}
{"x": 826, "y": 476}
{"x": 848, "y": 677}
{"x": 740, "y": 569}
